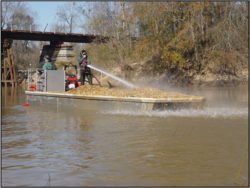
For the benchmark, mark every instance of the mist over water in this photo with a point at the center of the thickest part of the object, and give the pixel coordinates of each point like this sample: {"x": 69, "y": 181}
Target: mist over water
{"x": 227, "y": 102}
{"x": 112, "y": 76}
{"x": 209, "y": 112}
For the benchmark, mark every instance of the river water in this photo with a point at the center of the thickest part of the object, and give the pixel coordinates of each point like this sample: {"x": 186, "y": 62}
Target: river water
{"x": 125, "y": 148}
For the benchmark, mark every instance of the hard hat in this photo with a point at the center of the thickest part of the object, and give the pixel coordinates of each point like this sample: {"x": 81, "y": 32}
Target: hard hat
{"x": 83, "y": 52}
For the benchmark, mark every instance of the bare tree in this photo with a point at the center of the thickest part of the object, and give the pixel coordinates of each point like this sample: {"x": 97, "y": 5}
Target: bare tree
{"x": 57, "y": 27}
{"x": 5, "y": 13}
{"x": 67, "y": 14}
{"x": 19, "y": 16}
{"x": 86, "y": 11}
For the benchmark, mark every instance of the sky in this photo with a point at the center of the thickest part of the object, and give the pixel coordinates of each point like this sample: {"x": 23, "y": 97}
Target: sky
{"x": 46, "y": 12}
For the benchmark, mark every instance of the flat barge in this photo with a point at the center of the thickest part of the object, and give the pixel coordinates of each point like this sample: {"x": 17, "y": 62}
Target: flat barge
{"x": 104, "y": 103}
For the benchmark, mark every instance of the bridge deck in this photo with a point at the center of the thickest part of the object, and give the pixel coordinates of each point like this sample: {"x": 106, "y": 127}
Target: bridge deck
{"x": 53, "y": 37}
{"x": 50, "y": 36}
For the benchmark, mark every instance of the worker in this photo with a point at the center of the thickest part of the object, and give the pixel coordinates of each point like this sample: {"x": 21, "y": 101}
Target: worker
{"x": 84, "y": 60}
{"x": 40, "y": 65}
{"x": 47, "y": 65}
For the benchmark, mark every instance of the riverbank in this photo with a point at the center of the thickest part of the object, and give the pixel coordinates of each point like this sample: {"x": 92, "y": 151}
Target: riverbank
{"x": 142, "y": 73}
{"x": 146, "y": 74}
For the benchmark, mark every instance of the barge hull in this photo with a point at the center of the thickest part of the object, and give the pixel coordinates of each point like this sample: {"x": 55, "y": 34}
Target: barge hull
{"x": 104, "y": 103}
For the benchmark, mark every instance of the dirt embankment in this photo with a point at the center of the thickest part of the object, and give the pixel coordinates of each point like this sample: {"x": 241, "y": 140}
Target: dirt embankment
{"x": 144, "y": 73}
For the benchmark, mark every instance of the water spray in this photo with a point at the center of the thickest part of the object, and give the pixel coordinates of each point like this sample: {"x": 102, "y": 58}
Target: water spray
{"x": 110, "y": 75}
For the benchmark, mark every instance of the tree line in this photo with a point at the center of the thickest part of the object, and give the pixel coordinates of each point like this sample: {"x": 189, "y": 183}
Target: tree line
{"x": 171, "y": 35}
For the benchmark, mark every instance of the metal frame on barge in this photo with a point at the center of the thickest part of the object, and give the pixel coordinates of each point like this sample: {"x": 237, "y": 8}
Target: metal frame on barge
{"x": 103, "y": 103}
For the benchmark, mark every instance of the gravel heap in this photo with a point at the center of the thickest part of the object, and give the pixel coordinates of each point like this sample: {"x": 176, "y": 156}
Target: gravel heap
{"x": 136, "y": 92}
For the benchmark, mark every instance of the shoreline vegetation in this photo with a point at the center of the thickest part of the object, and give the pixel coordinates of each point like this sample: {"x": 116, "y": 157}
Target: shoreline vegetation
{"x": 138, "y": 73}
{"x": 180, "y": 44}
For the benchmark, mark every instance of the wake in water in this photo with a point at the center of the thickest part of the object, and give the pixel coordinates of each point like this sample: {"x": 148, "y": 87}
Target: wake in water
{"x": 211, "y": 112}
{"x": 112, "y": 76}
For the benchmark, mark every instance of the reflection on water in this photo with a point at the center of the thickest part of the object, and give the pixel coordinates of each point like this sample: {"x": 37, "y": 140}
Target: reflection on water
{"x": 81, "y": 148}
{"x": 9, "y": 93}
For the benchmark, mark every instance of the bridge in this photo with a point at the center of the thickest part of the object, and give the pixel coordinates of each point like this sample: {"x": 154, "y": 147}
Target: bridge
{"x": 53, "y": 37}
{"x": 55, "y": 49}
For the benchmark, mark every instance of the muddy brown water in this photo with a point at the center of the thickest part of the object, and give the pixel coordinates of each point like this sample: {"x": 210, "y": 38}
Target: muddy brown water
{"x": 125, "y": 148}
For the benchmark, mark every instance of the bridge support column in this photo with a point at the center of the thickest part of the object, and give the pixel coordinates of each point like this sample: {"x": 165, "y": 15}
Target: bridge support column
{"x": 58, "y": 52}
{"x": 7, "y": 63}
